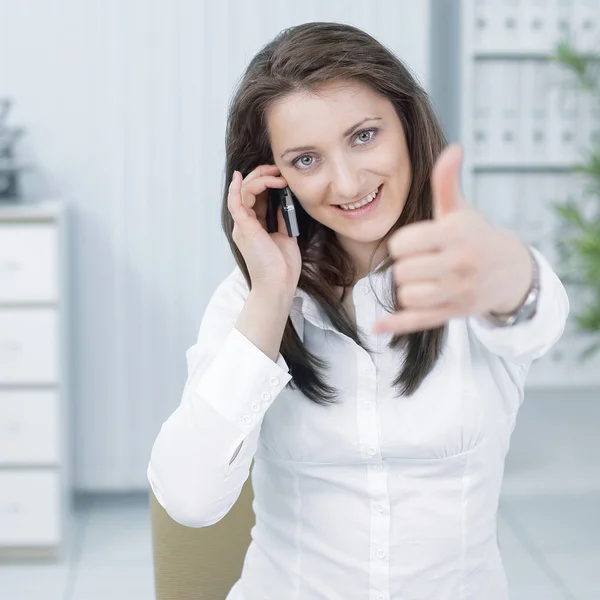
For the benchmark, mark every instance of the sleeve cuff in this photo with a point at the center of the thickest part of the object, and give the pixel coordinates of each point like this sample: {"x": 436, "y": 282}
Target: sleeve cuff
{"x": 531, "y": 339}
{"x": 242, "y": 382}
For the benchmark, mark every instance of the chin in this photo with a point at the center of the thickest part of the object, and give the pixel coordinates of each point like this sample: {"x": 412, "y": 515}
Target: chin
{"x": 370, "y": 236}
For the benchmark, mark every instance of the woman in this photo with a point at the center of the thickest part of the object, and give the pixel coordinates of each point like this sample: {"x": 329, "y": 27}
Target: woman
{"x": 373, "y": 366}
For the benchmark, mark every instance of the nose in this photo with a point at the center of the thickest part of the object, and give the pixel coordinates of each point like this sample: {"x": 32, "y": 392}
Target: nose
{"x": 345, "y": 183}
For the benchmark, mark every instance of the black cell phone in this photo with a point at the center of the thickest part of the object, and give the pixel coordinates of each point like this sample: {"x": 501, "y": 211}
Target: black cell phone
{"x": 286, "y": 201}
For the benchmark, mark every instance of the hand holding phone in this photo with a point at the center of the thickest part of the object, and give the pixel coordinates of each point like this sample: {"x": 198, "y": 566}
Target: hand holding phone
{"x": 273, "y": 259}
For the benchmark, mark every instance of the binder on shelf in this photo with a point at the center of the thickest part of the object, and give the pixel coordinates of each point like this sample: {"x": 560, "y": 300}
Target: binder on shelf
{"x": 486, "y": 25}
{"x": 535, "y": 26}
{"x": 585, "y": 22}
{"x": 588, "y": 124}
{"x": 483, "y": 118}
{"x": 512, "y": 33}
{"x": 497, "y": 198}
{"x": 536, "y": 211}
{"x": 561, "y": 16}
{"x": 563, "y": 103}
{"x": 508, "y": 146}
{"x": 534, "y": 112}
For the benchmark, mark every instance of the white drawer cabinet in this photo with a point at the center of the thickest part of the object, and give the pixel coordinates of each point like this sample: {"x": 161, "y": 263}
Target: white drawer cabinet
{"x": 29, "y": 427}
{"x": 30, "y": 512}
{"x": 28, "y": 263}
{"x": 29, "y": 345}
{"x": 34, "y": 478}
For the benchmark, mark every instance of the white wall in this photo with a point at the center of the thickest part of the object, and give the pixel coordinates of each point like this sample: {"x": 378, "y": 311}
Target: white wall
{"x": 124, "y": 102}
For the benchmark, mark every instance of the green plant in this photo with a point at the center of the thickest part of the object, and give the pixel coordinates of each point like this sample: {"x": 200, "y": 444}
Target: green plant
{"x": 578, "y": 244}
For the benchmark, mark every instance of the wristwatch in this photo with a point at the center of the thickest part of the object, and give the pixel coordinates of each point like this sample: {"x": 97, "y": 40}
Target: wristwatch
{"x": 528, "y": 308}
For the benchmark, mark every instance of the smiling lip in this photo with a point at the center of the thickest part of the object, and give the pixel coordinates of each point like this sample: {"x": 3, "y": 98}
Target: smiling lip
{"x": 363, "y": 210}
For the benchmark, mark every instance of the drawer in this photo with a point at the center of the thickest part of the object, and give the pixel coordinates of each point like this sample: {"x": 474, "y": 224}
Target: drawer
{"x": 29, "y": 508}
{"x": 28, "y": 263}
{"x": 29, "y": 422}
{"x": 29, "y": 345}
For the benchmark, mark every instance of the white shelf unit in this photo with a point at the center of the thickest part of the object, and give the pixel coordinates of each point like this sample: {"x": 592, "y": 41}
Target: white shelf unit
{"x": 524, "y": 125}
{"x": 34, "y": 422}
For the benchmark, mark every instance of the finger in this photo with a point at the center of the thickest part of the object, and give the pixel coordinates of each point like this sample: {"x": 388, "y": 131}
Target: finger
{"x": 262, "y": 170}
{"x": 420, "y": 267}
{"x": 251, "y": 189}
{"x": 409, "y": 321}
{"x": 426, "y": 294}
{"x": 445, "y": 182}
{"x": 238, "y": 211}
{"x": 417, "y": 238}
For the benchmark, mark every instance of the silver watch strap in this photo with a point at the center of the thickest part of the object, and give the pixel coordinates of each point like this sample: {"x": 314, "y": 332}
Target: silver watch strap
{"x": 527, "y": 309}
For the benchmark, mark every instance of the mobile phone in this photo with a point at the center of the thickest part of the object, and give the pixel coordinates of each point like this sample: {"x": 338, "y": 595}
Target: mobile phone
{"x": 286, "y": 201}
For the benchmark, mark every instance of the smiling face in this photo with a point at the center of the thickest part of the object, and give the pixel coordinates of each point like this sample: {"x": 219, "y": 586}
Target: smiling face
{"x": 338, "y": 148}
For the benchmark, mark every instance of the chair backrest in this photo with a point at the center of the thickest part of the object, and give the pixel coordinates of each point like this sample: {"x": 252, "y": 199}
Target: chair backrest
{"x": 200, "y": 564}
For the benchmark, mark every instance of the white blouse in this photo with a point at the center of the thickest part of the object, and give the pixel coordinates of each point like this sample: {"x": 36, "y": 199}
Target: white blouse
{"x": 375, "y": 497}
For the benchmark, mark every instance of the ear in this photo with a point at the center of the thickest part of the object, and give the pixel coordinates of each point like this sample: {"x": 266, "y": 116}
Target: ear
{"x": 445, "y": 182}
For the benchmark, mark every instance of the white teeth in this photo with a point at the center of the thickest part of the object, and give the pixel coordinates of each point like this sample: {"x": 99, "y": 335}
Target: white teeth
{"x": 362, "y": 203}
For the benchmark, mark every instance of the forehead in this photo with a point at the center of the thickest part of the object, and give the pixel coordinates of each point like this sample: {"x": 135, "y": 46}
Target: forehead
{"x": 335, "y": 106}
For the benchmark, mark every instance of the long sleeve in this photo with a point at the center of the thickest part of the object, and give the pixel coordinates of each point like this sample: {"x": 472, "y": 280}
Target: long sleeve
{"x": 197, "y": 468}
{"x": 528, "y": 341}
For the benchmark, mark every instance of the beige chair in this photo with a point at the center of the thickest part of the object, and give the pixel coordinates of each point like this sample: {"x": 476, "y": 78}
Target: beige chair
{"x": 200, "y": 564}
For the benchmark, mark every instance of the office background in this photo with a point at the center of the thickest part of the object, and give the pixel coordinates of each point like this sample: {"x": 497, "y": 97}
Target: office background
{"x": 124, "y": 106}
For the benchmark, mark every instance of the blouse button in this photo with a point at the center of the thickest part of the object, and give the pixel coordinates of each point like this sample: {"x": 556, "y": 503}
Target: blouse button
{"x": 379, "y": 508}
{"x": 364, "y": 289}
{"x": 255, "y": 407}
{"x": 372, "y": 451}
{"x": 274, "y": 381}
{"x": 380, "y": 554}
{"x": 246, "y": 419}
{"x": 265, "y": 396}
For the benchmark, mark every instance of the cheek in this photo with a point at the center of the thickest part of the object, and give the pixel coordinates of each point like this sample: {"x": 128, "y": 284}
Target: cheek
{"x": 309, "y": 193}
{"x": 390, "y": 159}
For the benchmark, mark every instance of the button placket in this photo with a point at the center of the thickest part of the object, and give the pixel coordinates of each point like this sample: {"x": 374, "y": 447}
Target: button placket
{"x": 370, "y": 448}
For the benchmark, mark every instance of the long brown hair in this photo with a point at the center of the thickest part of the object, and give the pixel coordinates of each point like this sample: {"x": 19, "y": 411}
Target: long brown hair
{"x": 305, "y": 58}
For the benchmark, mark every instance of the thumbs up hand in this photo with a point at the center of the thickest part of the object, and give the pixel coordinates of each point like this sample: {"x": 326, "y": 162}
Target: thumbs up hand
{"x": 455, "y": 264}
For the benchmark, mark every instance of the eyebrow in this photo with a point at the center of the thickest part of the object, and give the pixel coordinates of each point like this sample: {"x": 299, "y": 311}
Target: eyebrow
{"x": 346, "y": 134}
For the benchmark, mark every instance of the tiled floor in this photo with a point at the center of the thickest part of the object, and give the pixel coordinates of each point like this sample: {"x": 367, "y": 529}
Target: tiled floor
{"x": 550, "y": 545}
